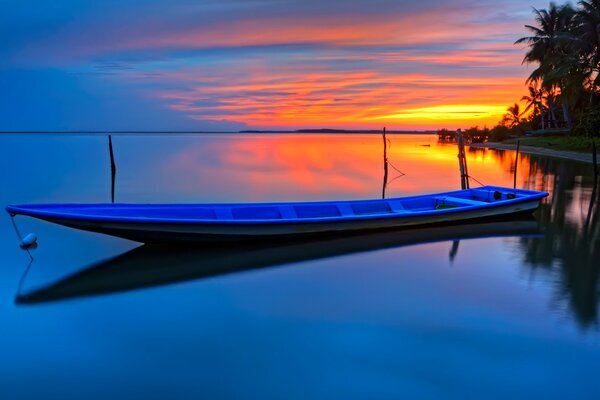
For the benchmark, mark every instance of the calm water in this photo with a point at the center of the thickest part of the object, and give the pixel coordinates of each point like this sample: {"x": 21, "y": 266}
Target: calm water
{"x": 511, "y": 310}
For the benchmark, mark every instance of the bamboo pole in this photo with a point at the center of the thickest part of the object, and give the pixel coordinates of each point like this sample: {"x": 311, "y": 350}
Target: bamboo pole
{"x": 467, "y": 182}
{"x": 462, "y": 162}
{"x": 516, "y": 164}
{"x": 385, "y": 165}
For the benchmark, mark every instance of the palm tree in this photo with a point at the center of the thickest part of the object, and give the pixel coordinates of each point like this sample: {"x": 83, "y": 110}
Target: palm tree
{"x": 546, "y": 45}
{"x": 535, "y": 102}
{"x": 550, "y": 45}
{"x": 587, "y": 30}
{"x": 513, "y": 117}
{"x": 550, "y": 99}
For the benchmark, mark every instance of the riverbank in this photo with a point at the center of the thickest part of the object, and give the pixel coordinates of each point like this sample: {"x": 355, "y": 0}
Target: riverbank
{"x": 540, "y": 151}
{"x": 565, "y": 142}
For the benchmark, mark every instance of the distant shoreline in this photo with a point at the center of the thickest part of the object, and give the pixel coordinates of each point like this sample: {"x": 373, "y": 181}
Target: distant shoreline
{"x": 374, "y": 131}
{"x": 302, "y": 131}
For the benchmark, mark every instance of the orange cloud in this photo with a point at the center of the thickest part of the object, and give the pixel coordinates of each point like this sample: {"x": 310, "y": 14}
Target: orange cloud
{"x": 342, "y": 28}
{"x": 423, "y": 68}
{"x": 352, "y": 99}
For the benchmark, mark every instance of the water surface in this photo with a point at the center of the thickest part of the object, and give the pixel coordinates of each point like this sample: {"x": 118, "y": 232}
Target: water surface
{"x": 500, "y": 311}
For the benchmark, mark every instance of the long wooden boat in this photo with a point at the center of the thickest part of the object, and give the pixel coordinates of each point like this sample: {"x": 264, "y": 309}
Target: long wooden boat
{"x": 152, "y": 223}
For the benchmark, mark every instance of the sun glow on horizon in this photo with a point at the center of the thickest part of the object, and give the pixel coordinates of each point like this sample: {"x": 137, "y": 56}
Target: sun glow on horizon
{"x": 293, "y": 98}
{"x": 312, "y": 165}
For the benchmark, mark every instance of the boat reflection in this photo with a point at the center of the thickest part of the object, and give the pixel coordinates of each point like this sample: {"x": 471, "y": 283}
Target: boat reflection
{"x": 151, "y": 265}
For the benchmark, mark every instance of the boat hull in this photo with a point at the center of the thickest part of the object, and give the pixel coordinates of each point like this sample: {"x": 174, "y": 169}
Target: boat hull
{"x": 148, "y": 232}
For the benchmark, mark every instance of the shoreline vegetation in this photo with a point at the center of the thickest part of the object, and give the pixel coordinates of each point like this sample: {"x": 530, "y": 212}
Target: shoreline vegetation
{"x": 539, "y": 151}
{"x": 562, "y": 105}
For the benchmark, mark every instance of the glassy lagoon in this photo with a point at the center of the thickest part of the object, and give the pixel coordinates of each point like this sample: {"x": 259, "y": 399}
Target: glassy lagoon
{"x": 504, "y": 310}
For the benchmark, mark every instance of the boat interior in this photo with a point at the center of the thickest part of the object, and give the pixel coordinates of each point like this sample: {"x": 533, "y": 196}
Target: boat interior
{"x": 290, "y": 211}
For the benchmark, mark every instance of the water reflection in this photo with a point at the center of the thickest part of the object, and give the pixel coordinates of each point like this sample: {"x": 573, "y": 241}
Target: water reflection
{"x": 569, "y": 250}
{"x": 512, "y": 305}
{"x": 149, "y": 265}
{"x": 296, "y": 167}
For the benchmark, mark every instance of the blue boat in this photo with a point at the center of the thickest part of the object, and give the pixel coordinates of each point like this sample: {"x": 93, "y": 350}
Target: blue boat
{"x": 165, "y": 223}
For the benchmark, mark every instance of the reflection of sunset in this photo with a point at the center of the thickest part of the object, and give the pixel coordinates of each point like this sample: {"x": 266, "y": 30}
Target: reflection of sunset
{"x": 319, "y": 167}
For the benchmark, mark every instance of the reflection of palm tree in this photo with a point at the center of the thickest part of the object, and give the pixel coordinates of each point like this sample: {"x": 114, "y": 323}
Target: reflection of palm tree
{"x": 570, "y": 247}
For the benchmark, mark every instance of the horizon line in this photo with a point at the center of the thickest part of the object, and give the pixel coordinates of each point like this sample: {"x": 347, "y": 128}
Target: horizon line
{"x": 109, "y": 132}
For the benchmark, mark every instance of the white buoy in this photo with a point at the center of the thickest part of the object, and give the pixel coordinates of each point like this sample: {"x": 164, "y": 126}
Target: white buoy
{"x": 28, "y": 242}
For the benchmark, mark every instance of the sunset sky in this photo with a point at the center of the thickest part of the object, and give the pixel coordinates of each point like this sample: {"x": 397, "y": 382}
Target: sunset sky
{"x": 259, "y": 64}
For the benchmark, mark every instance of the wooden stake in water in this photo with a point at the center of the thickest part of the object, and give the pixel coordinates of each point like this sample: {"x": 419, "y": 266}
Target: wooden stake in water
{"x": 385, "y": 165}
{"x": 113, "y": 169}
{"x": 467, "y": 182}
{"x": 462, "y": 161}
{"x": 516, "y": 164}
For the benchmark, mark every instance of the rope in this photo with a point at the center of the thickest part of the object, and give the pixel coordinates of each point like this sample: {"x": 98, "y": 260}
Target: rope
{"x": 31, "y": 259}
{"x": 399, "y": 176}
{"x": 470, "y": 177}
{"x": 397, "y": 170}
{"x": 14, "y": 224}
